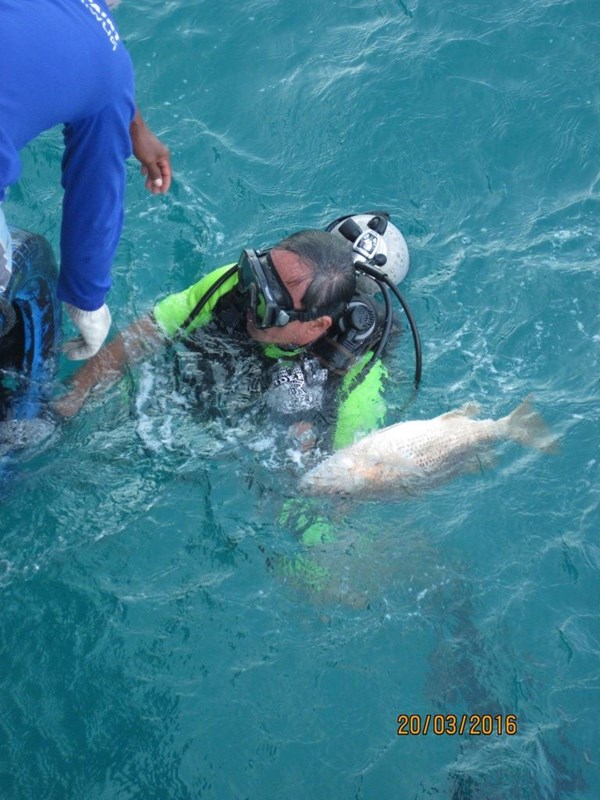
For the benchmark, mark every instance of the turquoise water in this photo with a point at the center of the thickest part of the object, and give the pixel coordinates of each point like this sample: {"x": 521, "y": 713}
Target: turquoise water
{"x": 149, "y": 651}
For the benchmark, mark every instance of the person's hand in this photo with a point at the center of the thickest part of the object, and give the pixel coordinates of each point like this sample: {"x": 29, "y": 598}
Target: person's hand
{"x": 93, "y": 327}
{"x": 303, "y": 435}
{"x": 152, "y": 155}
{"x": 69, "y": 404}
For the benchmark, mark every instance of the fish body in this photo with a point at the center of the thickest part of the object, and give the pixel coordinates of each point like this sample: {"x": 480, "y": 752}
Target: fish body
{"x": 417, "y": 454}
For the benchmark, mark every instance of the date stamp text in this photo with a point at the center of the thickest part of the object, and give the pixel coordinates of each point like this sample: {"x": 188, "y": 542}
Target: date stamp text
{"x": 457, "y": 724}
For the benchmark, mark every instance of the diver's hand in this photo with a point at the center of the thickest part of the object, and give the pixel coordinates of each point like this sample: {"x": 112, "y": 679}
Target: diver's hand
{"x": 304, "y": 436}
{"x": 69, "y": 404}
{"x": 93, "y": 327}
{"x": 152, "y": 155}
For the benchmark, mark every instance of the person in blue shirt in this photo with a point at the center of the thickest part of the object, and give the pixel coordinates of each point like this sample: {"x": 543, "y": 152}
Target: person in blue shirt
{"x": 63, "y": 62}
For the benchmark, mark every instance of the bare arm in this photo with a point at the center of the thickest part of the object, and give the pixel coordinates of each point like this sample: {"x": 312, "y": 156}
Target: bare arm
{"x": 139, "y": 340}
{"x": 152, "y": 155}
{"x": 147, "y": 148}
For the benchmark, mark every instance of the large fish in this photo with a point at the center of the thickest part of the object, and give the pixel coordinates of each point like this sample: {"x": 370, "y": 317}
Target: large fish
{"x": 410, "y": 456}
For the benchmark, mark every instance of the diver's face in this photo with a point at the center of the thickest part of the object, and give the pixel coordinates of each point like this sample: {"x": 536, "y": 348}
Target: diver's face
{"x": 296, "y": 278}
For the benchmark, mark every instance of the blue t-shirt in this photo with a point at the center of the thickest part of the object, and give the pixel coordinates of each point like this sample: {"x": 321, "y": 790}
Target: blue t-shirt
{"x": 63, "y": 62}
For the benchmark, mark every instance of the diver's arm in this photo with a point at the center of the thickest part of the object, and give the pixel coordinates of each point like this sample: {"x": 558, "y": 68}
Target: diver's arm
{"x": 152, "y": 155}
{"x": 140, "y": 339}
{"x": 361, "y": 408}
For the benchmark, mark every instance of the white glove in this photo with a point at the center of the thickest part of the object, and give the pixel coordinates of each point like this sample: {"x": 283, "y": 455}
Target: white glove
{"x": 93, "y": 327}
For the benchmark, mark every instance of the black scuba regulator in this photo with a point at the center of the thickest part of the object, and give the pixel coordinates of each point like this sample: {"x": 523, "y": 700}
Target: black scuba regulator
{"x": 355, "y": 331}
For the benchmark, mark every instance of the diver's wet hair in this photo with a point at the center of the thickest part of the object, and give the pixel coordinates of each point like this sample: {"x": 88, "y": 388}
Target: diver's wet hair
{"x": 330, "y": 261}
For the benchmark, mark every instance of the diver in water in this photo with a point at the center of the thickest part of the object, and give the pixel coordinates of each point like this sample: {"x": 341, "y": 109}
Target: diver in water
{"x": 297, "y": 332}
{"x": 304, "y": 311}
{"x": 63, "y": 62}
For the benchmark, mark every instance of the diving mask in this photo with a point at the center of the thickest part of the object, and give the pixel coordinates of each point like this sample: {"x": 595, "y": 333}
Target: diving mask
{"x": 268, "y": 299}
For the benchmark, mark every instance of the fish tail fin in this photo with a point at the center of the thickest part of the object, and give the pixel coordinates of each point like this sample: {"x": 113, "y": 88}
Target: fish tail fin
{"x": 471, "y": 410}
{"x": 526, "y": 426}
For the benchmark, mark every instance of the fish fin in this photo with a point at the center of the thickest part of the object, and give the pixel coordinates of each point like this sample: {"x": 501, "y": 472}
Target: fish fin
{"x": 379, "y": 473}
{"x": 400, "y": 465}
{"x": 470, "y": 410}
{"x": 481, "y": 462}
{"x": 404, "y": 470}
{"x": 526, "y": 426}
{"x": 370, "y": 473}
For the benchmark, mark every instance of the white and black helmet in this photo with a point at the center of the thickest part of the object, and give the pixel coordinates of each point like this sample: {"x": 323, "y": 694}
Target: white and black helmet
{"x": 375, "y": 241}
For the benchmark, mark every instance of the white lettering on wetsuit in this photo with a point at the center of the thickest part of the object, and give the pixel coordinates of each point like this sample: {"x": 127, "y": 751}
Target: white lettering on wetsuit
{"x": 104, "y": 20}
{"x": 297, "y": 387}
